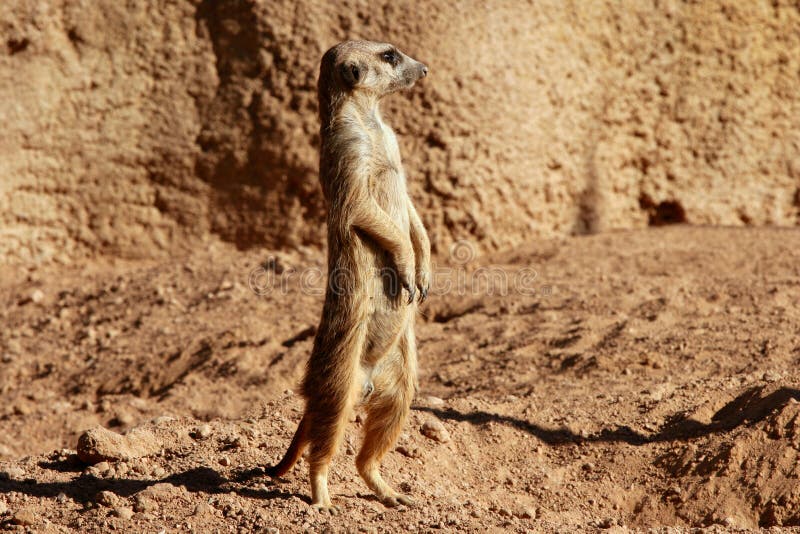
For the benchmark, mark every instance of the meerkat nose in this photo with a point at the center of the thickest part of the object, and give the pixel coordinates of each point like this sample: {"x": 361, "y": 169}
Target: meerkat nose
{"x": 424, "y": 71}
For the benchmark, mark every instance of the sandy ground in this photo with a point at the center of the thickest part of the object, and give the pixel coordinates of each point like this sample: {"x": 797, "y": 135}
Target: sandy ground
{"x": 629, "y": 380}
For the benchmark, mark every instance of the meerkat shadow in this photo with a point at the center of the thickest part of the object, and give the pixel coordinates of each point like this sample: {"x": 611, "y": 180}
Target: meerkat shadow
{"x": 267, "y": 491}
{"x": 245, "y": 475}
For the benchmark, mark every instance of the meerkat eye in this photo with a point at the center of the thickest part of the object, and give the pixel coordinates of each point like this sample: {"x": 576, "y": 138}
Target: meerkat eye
{"x": 390, "y": 56}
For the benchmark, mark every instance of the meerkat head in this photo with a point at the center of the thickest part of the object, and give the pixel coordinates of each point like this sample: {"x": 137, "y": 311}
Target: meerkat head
{"x": 369, "y": 67}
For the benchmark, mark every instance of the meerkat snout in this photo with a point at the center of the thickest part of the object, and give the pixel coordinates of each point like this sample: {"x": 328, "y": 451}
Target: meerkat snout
{"x": 413, "y": 72}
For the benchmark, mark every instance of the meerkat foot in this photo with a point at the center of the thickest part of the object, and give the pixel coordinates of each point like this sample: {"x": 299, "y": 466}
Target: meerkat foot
{"x": 382, "y": 490}
{"x": 396, "y": 499}
{"x": 326, "y": 508}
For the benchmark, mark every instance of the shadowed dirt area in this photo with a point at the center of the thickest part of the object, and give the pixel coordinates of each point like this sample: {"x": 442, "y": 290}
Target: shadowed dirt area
{"x": 626, "y": 380}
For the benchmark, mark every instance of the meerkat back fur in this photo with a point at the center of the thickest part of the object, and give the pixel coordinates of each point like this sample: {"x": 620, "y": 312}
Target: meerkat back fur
{"x": 378, "y": 262}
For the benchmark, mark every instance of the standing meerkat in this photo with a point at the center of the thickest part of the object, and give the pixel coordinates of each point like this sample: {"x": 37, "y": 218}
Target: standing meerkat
{"x": 378, "y": 260}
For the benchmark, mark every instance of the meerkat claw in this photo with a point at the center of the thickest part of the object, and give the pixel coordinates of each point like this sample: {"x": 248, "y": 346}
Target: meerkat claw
{"x": 405, "y": 500}
{"x": 412, "y": 291}
{"x": 389, "y": 502}
{"x": 423, "y": 294}
{"x": 392, "y": 501}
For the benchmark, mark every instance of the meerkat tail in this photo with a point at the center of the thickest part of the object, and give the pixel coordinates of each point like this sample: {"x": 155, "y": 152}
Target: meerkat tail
{"x": 296, "y": 448}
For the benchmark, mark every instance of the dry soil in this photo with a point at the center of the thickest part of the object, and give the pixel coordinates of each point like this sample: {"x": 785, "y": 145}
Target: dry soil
{"x": 632, "y": 380}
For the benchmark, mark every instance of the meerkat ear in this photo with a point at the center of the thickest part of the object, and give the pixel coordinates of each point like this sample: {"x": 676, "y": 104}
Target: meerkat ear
{"x": 352, "y": 73}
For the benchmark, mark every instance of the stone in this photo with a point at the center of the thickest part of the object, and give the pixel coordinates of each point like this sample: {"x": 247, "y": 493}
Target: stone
{"x": 107, "y": 498}
{"x": 144, "y": 504}
{"x": 436, "y": 431}
{"x": 99, "y": 444}
{"x": 24, "y": 517}
{"x": 12, "y": 473}
{"x": 409, "y": 451}
{"x": 123, "y": 512}
{"x": 202, "y": 432}
{"x": 433, "y": 402}
{"x": 203, "y": 509}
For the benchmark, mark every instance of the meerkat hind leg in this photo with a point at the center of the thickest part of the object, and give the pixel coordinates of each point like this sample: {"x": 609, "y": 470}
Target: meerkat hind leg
{"x": 387, "y": 411}
{"x": 322, "y": 448}
{"x": 325, "y": 433}
{"x": 320, "y": 499}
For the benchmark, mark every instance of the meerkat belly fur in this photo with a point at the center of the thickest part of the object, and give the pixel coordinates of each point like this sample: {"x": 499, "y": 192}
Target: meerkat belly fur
{"x": 378, "y": 268}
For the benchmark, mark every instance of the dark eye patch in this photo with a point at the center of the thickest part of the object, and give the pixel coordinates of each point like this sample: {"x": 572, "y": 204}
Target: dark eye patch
{"x": 391, "y": 57}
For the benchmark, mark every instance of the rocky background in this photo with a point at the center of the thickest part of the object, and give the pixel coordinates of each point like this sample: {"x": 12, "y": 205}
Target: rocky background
{"x": 140, "y": 129}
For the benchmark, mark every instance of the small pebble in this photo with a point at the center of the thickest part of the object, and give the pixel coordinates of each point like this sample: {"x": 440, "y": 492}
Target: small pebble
{"x": 122, "y": 469}
{"x": 203, "y": 509}
{"x": 433, "y": 402}
{"x": 106, "y": 498}
{"x": 436, "y": 431}
{"x": 143, "y": 504}
{"x": 771, "y": 376}
{"x": 202, "y": 432}
{"x": 25, "y": 517}
{"x": 100, "y": 470}
{"x": 125, "y": 418}
{"x": 14, "y": 347}
{"x": 123, "y": 512}
{"x": 12, "y": 473}
{"x": 37, "y": 296}
{"x": 161, "y": 419}
{"x": 409, "y": 451}
{"x": 224, "y": 461}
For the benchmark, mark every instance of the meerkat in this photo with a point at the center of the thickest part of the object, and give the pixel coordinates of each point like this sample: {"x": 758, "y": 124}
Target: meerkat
{"x": 378, "y": 261}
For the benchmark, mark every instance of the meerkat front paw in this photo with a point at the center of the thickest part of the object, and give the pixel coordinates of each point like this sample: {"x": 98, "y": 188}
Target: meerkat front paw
{"x": 423, "y": 280}
{"x": 404, "y": 263}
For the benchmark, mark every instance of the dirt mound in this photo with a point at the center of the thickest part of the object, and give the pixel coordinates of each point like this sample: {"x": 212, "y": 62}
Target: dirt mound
{"x": 742, "y": 479}
{"x": 135, "y": 129}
